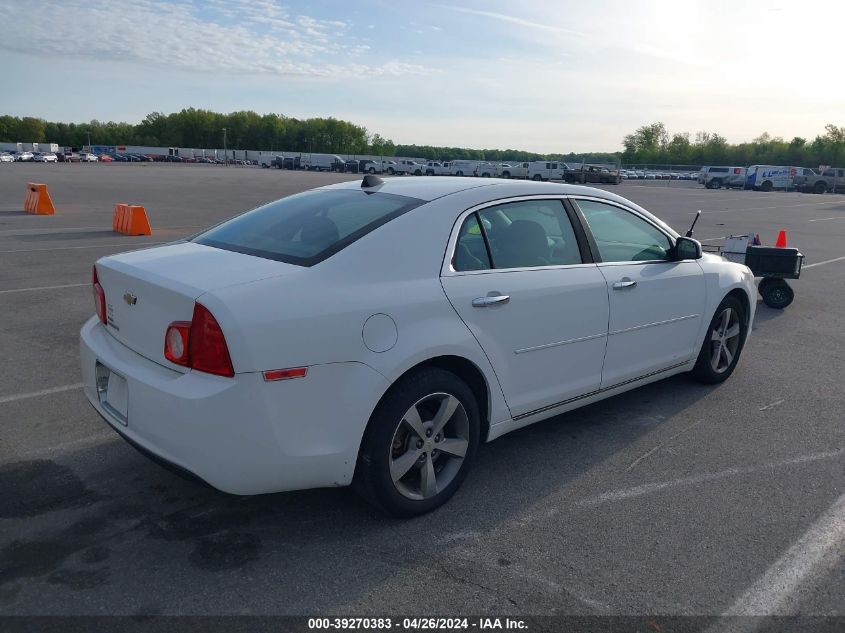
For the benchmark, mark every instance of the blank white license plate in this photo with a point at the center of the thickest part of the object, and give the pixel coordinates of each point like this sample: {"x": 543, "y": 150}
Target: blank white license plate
{"x": 113, "y": 392}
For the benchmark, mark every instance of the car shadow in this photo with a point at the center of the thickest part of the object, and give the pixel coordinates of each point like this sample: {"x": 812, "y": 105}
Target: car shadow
{"x": 188, "y": 525}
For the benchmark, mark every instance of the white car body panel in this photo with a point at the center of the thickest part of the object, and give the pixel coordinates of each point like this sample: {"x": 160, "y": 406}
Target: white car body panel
{"x": 362, "y": 318}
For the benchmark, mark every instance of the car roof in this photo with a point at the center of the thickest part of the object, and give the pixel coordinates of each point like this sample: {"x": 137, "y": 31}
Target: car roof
{"x": 430, "y": 188}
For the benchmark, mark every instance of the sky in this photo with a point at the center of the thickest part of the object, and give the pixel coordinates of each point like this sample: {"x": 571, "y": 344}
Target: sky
{"x": 545, "y": 76}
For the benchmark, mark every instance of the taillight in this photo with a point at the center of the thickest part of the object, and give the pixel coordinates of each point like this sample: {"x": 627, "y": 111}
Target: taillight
{"x": 99, "y": 296}
{"x": 198, "y": 344}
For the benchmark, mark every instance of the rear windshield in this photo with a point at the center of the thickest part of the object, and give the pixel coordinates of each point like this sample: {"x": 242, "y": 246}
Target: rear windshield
{"x": 309, "y": 227}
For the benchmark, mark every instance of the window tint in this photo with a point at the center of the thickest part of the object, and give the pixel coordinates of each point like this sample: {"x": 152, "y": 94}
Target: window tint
{"x": 471, "y": 252}
{"x": 530, "y": 233}
{"x": 622, "y": 236}
{"x": 309, "y": 227}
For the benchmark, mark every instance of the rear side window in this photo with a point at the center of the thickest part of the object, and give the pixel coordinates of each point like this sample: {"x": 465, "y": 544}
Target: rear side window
{"x": 309, "y": 227}
{"x": 517, "y": 235}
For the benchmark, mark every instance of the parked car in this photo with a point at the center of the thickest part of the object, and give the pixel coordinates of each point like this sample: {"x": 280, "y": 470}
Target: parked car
{"x": 771, "y": 177}
{"x": 87, "y": 157}
{"x": 437, "y": 168}
{"x": 463, "y": 167}
{"x": 831, "y": 179}
{"x": 198, "y": 355}
{"x": 595, "y": 174}
{"x": 23, "y": 156}
{"x": 713, "y": 177}
{"x": 6, "y": 158}
{"x": 46, "y": 157}
{"x": 516, "y": 170}
{"x": 369, "y": 166}
{"x": 546, "y": 170}
{"x": 106, "y": 158}
{"x": 351, "y": 166}
{"x": 735, "y": 179}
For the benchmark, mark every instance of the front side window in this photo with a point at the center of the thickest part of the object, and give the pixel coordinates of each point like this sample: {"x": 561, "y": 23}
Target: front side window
{"x": 622, "y": 236}
{"x": 517, "y": 235}
{"x": 309, "y": 227}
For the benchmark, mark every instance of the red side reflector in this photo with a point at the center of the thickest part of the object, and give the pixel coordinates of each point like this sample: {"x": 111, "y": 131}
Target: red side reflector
{"x": 285, "y": 374}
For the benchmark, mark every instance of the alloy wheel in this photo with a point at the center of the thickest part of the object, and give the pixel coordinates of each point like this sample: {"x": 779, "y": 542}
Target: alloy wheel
{"x": 724, "y": 340}
{"x": 429, "y": 446}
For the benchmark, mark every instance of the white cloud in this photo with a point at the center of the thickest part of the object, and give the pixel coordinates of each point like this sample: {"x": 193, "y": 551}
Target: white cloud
{"x": 251, "y": 37}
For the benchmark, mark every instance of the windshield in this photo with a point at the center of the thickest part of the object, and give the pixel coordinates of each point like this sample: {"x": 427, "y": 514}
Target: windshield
{"x": 309, "y": 227}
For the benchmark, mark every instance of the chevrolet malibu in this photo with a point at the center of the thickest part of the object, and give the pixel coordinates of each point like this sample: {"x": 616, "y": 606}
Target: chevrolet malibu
{"x": 375, "y": 333}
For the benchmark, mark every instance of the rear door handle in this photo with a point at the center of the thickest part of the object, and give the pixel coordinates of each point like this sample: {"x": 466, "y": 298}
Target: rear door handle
{"x": 624, "y": 283}
{"x": 483, "y": 302}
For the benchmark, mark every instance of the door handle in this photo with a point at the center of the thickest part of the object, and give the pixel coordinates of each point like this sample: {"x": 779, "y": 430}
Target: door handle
{"x": 624, "y": 283}
{"x": 483, "y": 302}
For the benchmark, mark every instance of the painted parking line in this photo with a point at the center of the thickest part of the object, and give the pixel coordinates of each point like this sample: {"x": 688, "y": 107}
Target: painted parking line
{"x": 841, "y": 217}
{"x": 810, "y": 559}
{"x": 645, "y": 489}
{"x": 37, "y": 394}
{"x": 14, "y": 290}
{"x": 70, "y": 248}
{"x": 827, "y": 261}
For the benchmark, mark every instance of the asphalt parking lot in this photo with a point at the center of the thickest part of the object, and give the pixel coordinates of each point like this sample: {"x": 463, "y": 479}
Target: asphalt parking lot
{"x": 676, "y": 498}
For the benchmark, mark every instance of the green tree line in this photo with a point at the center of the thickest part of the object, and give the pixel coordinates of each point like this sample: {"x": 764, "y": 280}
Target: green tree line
{"x": 196, "y": 128}
{"x": 654, "y": 145}
{"x": 201, "y": 129}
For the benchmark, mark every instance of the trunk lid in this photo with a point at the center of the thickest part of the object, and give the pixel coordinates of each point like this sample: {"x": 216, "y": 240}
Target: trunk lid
{"x": 146, "y": 290}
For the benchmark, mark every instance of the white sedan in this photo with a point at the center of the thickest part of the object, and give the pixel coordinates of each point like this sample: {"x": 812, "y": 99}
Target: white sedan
{"x": 378, "y": 332}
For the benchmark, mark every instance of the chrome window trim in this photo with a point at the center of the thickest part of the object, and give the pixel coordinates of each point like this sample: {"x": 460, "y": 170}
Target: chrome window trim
{"x": 447, "y": 270}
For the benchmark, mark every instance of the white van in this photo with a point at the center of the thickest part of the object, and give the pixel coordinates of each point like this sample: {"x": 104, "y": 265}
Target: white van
{"x": 716, "y": 177}
{"x": 769, "y": 177}
{"x": 545, "y": 170}
{"x": 320, "y": 162}
{"x": 463, "y": 167}
{"x": 514, "y": 170}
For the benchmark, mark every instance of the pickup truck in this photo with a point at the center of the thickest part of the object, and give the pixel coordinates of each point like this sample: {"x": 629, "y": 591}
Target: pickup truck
{"x": 513, "y": 170}
{"x": 593, "y": 174}
{"x": 437, "y": 168}
{"x": 831, "y": 180}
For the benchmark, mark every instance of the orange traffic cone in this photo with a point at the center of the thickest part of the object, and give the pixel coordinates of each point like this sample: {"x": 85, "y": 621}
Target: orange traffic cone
{"x": 781, "y": 241}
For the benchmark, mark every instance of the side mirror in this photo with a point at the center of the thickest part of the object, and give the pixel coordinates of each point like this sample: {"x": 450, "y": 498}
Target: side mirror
{"x": 687, "y": 248}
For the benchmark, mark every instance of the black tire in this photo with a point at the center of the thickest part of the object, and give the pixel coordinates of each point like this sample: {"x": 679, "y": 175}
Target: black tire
{"x": 765, "y": 281}
{"x": 459, "y": 173}
{"x": 777, "y": 294}
{"x": 820, "y": 187}
{"x": 373, "y": 480}
{"x": 767, "y": 186}
{"x": 372, "y": 170}
{"x": 704, "y": 371}
{"x": 418, "y": 173}
{"x": 537, "y": 177}
{"x": 506, "y": 174}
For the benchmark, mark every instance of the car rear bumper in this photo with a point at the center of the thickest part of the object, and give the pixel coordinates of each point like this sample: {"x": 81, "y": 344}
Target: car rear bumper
{"x": 242, "y": 435}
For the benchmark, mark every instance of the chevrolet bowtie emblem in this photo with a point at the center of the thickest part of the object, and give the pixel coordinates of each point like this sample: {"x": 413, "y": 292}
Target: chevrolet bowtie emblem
{"x": 130, "y": 299}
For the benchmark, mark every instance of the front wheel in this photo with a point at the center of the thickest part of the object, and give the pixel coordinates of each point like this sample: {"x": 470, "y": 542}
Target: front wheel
{"x": 820, "y": 187}
{"x": 419, "y": 443}
{"x": 537, "y": 177}
{"x": 723, "y": 343}
{"x": 506, "y": 174}
{"x": 767, "y": 186}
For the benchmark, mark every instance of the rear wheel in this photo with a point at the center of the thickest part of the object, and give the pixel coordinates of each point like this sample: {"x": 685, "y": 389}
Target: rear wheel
{"x": 391, "y": 171}
{"x": 820, "y": 187}
{"x": 419, "y": 443}
{"x": 459, "y": 173}
{"x": 537, "y": 177}
{"x": 506, "y": 174}
{"x": 767, "y": 186}
{"x": 723, "y": 343}
{"x": 372, "y": 170}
